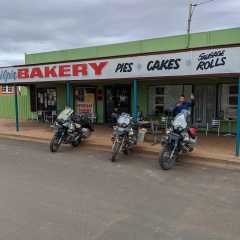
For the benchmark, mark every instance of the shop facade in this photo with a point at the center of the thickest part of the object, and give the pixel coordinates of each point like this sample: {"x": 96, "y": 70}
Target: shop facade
{"x": 156, "y": 92}
{"x": 210, "y": 73}
{"x": 146, "y": 75}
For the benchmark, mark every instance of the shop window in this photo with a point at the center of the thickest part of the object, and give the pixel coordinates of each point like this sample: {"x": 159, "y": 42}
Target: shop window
{"x": 7, "y": 89}
{"x": 232, "y": 96}
{"x": 46, "y": 99}
{"x": 157, "y": 102}
{"x": 232, "y": 101}
{"x": 233, "y": 89}
{"x": 159, "y": 90}
{"x": 162, "y": 98}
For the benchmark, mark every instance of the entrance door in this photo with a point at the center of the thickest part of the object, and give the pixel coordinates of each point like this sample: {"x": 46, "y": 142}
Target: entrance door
{"x": 205, "y": 104}
{"x": 118, "y": 96}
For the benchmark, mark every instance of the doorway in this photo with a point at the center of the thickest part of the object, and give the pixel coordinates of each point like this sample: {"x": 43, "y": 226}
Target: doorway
{"x": 205, "y": 104}
{"x": 117, "y": 96}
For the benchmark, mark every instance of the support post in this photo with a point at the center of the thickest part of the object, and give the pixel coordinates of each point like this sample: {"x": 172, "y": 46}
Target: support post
{"x": 238, "y": 121}
{"x": 69, "y": 102}
{"x": 16, "y": 107}
{"x": 190, "y": 13}
{"x": 135, "y": 99}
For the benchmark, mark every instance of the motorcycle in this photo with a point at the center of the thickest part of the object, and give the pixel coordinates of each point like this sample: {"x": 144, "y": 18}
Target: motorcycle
{"x": 124, "y": 136}
{"x": 70, "y": 129}
{"x": 179, "y": 139}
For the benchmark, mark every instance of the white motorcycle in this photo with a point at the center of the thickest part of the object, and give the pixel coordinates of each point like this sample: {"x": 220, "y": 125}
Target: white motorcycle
{"x": 179, "y": 139}
{"x": 124, "y": 136}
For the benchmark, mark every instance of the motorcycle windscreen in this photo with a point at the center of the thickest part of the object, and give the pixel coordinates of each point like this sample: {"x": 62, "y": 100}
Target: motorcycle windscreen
{"x": 180, "y": 121}
{"x": 65, "y": 114}
{"x": 124, "y": 119}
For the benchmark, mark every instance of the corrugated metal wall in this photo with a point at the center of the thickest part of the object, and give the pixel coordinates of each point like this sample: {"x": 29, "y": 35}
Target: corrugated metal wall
{"x": 7, "y": 107}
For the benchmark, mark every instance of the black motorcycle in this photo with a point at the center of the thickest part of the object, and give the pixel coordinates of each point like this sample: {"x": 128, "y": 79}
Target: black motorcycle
{"x": 125, "y": 134}
{"x": 70, "y": 129}
{"x": 179, "y": 139}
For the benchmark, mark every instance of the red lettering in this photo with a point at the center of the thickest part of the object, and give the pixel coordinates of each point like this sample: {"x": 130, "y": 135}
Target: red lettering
{"x": 98, "y": 67}
{"x": 23, "y": 73}
{"x": 50, "y": 72}
{"x": 80, "y": 68}
{"x": 64, "y": 71}
{"x": 36, "y": 72}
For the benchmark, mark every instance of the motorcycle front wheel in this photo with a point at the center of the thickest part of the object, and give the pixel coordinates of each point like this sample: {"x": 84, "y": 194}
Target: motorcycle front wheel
{"x": 55, "y": 143}
{"x": 165, "y": 161}
{"x": 115, "y": 150}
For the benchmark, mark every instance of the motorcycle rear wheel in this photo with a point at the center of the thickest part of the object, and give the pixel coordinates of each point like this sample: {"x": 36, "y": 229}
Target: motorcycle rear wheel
{"x": 55, "y": 144}
{"x": 165, "y": 161}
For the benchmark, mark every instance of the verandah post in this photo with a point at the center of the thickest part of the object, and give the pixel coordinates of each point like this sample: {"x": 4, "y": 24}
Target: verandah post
{"x": 16, "y": 107}
{"x": 238, "y": 121}
{"x": 135, "y": 99}
{"x": 69, "y": 101}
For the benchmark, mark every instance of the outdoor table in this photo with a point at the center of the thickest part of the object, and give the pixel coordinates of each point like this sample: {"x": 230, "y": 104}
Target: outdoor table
{"x": 144, "y": 123}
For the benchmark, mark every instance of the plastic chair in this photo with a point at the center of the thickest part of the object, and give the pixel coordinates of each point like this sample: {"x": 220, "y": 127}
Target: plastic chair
{"x": 215, "y": 124}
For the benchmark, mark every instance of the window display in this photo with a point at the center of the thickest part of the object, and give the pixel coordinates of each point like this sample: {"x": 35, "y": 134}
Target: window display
{"x": 46, "y": 99}
{"x": 85, "y": 100}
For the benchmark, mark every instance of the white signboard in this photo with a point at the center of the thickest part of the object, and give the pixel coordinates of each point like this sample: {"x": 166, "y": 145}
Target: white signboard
{"x": 208, "y": 61}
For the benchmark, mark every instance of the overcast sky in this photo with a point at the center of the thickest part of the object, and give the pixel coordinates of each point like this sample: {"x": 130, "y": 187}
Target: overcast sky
{"x": 35, "y": 26}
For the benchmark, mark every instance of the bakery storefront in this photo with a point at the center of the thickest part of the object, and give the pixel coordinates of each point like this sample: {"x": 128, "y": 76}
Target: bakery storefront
{"x": 149, "y": 82}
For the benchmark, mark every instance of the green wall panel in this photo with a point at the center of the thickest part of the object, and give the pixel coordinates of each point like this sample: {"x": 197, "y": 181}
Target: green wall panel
{"x": 121, "y": 49}
{"x": 100, "y": 108}
{"x": 163, "y": 44}
{"x": 7, "y": 107}
{"x": 143, "y": 98}
{"x": 24, "y": 91}
{"x": 61, "y": 97}
{"x": 231, "y": 36}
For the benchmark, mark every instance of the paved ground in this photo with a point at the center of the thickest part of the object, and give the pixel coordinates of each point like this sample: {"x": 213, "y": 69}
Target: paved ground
{"x": 80, "y": 194}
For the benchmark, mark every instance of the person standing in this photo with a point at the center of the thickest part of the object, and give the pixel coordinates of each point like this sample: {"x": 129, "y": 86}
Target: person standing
{"x": 183, "y": 104}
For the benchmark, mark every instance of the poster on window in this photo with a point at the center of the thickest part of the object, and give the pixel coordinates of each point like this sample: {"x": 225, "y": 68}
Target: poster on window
{"x": 85, "y": 107}
{"x": 85, "y": 100}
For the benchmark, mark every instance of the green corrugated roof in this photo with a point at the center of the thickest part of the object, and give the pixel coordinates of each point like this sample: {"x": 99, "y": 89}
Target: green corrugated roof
{"x": 212, "y": 38}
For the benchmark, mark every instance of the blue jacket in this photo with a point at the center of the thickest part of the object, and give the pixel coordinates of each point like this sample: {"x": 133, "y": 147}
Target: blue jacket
{"x": 183, "y": 106}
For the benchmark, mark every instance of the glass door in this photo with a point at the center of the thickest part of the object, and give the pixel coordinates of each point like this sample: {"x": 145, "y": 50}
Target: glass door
{"x": 119, "y": 97}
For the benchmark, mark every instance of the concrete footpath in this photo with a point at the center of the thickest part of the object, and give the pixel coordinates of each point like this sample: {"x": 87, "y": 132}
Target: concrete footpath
{"x": 209, "y": 150}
